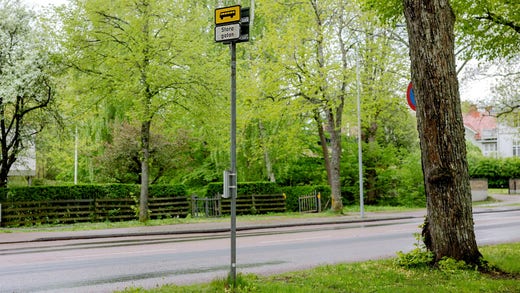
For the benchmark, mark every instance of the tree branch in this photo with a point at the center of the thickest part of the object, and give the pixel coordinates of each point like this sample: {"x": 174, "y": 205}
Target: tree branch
{"x": 500, "y": 20}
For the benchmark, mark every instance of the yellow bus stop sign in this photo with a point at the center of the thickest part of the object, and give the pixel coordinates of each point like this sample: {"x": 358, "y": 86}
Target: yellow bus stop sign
{"x": 227, "y": 14}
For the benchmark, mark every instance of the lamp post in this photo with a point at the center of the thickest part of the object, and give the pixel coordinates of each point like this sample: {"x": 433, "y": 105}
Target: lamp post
{"x": 360, "y": 149}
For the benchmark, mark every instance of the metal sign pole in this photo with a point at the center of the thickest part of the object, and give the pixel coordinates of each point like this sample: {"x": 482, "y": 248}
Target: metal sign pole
{"x": 232, "y": 26}
{"x": 233, "y": 181}
{"x": 360, "y": 148}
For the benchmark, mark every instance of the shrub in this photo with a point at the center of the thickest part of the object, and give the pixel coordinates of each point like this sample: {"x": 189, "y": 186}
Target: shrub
{"x": 292, "y": 194}
{"x": 245, "y": 188}
{"x": 69, "y": 192}
{"x": 420, "y": 256}
{"x": 451, "y": 265}
{"x": 414, "y": 259}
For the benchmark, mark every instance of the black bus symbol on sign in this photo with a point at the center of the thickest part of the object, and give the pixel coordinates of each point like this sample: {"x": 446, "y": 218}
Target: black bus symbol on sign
{"x": 229, "y": 13}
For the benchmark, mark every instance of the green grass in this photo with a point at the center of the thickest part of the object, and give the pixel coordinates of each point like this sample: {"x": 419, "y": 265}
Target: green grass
{"x": 376, "y": 276}
{"x": 498, "y": 190}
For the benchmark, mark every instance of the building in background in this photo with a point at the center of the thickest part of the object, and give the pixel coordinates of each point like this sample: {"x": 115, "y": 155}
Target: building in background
{"x": 498, "y": 138}
{"x": 25, "y": 164}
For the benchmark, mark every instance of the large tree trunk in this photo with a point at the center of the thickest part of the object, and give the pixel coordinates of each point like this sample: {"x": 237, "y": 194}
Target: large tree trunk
{"x": 335, "y": 157}
{"x": 449, "y": 230}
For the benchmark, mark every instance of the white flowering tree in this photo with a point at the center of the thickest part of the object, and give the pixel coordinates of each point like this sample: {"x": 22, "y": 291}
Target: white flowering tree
{"x": 25, "y": 86}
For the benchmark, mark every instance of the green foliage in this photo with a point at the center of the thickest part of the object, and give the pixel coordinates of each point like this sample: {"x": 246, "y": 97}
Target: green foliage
{"x": 396, "y": 175}
{"x": 292, "y": 194}
{"x": 497, "y": 171}
{"x": 414, "y": 259}
{"x": 113, "y": 191}
{"x": 304, "y": 171}
{"x": 419, "y": 257}
{"x": 120, "y": 161}
{"x": 41, "y": 193}
{"x": 451, "y": 265}
{"x": 245, "y": 188}
{"x": 390, "y": 11}
{"x": 167, "y": 190}
{"x": 490, "y": 28}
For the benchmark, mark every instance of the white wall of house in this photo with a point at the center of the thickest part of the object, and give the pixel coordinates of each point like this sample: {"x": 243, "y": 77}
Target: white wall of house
{"x": 505, "y": 145}
{"x": 508, "y": 141}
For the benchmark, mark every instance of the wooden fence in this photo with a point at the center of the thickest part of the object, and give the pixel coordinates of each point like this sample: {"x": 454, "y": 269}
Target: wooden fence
{"x": 256, "y": 204}
{"x": 29, "y": 213}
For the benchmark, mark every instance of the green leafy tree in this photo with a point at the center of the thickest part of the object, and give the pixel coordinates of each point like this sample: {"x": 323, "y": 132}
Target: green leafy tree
{"x": 312, "y": 52}
{"x": 120, "y": 160}
{"x": 387, "y": 125}
{"x": 488, "y": 29}
{"x": 140, "y": 55}
{"x": 26, "y": 84}
{"x": 491, "y": 28}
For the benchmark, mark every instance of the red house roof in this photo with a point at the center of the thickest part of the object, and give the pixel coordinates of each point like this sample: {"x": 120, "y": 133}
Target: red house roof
{"x": 482, "y": 124}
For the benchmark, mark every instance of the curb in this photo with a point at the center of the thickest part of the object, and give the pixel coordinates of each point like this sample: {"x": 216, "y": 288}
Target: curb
{"x": 247, "y": 227}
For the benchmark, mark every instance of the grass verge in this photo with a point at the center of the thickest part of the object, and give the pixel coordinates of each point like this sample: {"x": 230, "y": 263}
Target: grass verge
{"x": 376, "y": 276}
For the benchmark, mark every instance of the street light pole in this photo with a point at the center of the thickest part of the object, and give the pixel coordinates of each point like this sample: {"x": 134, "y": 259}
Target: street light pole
{"x": 360, "y": 149}
{"x": 233, "y": 175}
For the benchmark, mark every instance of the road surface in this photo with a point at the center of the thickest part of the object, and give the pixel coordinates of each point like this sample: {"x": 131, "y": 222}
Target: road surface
{"x": 107, "y": 264}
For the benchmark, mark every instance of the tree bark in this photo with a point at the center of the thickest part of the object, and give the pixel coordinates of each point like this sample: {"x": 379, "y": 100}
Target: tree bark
{"x": 324, "y": 147}
{"x": 333, "y": 123}
{"x": 449, "y": 228}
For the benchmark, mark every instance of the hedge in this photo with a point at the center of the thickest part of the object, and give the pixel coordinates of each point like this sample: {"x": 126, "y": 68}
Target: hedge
{"x": 497, "y": 171}
{"x": 245, "y": 188}
{"x": 76, "y": 192}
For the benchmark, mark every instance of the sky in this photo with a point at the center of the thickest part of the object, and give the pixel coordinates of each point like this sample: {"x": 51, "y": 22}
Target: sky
{"x": 42, "y": 3}
{"x": 470, "y": 90}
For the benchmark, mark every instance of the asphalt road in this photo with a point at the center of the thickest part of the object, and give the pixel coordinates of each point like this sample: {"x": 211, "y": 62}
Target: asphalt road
{"x": 107, "y": 264}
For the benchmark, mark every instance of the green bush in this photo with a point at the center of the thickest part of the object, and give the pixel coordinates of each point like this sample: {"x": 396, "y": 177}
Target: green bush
{"x": 70, "y": 192}
{"x": 292, "y": 194}
{"x": 166, "y": 190}
{"x": 245, "y": 188}
{"x": 497, "y": 171}
{"x": 420, "y": 256}
{"x": 451, "y": 265}
{"x": 414, "y": 259}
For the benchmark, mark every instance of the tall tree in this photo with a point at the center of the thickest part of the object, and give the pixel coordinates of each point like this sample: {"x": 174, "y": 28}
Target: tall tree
{"x": 314, "y": 50}
{"x": 26, "y": 88}
{"x": 140, "y": 54}
{"x": 449, "y": 227}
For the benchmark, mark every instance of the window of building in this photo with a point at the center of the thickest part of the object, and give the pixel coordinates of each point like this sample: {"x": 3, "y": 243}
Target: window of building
{"x": 490, "y": 149}
{"x": 516, "y": 147}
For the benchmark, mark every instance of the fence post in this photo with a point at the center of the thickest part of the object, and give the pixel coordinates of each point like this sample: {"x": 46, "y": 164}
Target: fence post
{"x": 193, "y": 205}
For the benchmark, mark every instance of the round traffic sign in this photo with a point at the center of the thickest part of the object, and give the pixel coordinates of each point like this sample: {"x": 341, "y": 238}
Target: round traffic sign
{"x": 410, "y": 97}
